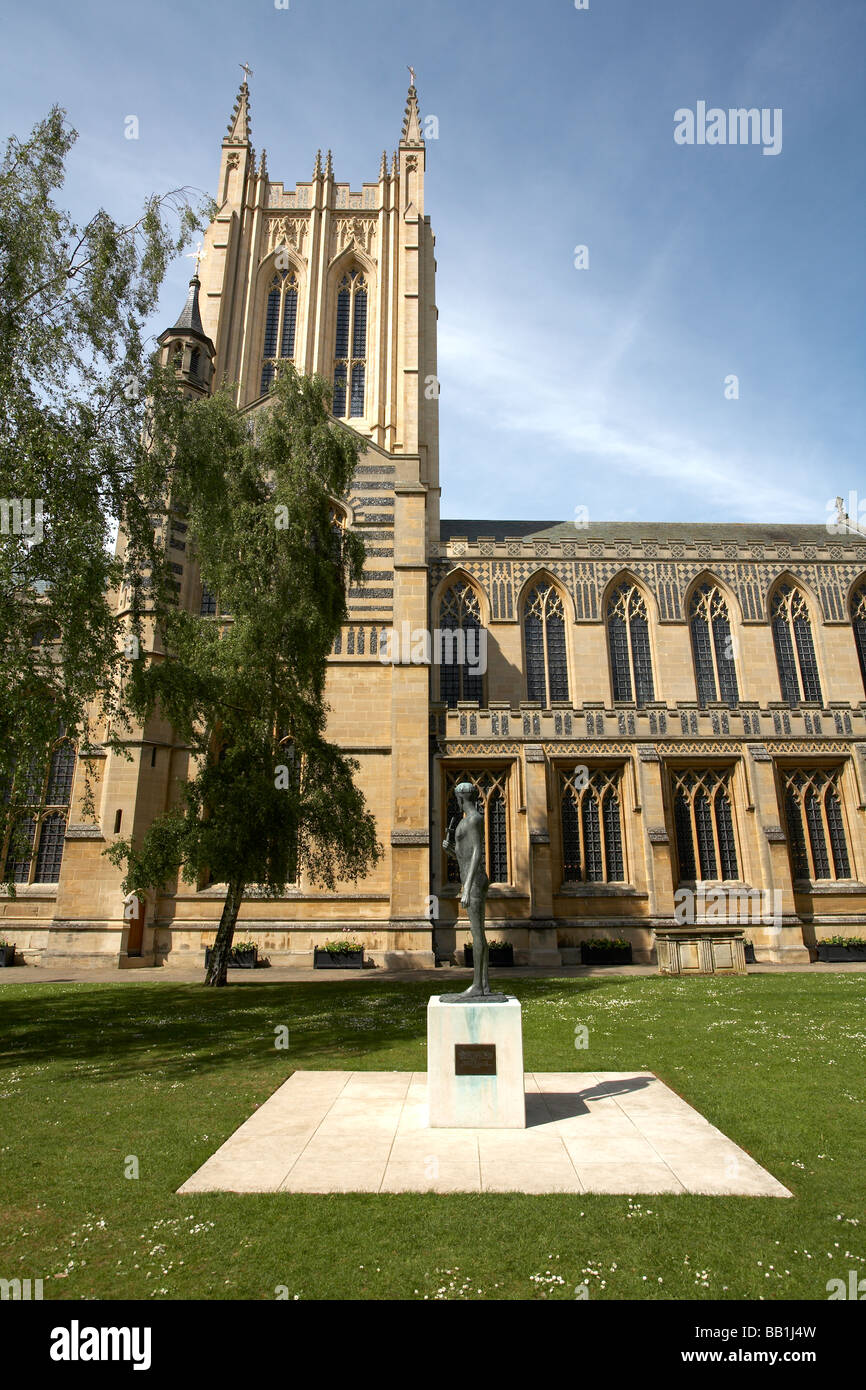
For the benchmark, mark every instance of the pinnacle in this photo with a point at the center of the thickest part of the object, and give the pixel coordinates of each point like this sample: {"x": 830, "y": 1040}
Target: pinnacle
{"x": 411, "y": 133}
{"x": 239, "y": 126}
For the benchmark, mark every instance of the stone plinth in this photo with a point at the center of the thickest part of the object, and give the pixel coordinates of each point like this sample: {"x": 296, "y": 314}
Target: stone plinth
{"x": 475, "y": 1065}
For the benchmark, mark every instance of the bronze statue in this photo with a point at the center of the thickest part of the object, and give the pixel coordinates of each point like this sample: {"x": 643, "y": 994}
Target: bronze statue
{"x": 466, "y": 843}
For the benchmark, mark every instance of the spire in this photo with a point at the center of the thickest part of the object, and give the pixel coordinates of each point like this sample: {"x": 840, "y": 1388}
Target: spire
{"x": 190, "y": 318}
{"x": 411, "y": 134}
{"x": 263, "y": 164}
{"x": 394, "y": 166}
{"x": 239, "y": 125}
{"x": 317, "y": 167}
{"x": 329, "y": 168}
{"x": 383, "y": 167}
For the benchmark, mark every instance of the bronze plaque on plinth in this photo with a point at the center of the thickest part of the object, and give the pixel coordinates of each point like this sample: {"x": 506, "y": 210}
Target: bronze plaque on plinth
{"x": 474, "y": 1059}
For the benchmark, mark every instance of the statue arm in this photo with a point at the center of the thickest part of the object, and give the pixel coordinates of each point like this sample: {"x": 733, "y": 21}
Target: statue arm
{"x": 473, "y": 865}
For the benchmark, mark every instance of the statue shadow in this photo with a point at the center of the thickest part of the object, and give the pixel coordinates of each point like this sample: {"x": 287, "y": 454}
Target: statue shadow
{"x": 544, "y": 1107}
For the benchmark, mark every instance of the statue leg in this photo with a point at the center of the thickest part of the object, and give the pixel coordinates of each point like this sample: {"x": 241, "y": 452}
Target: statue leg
{"x": 480, "y": 949}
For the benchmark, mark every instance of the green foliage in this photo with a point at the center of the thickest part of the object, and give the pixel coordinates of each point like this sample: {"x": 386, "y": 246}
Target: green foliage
{"x": 342, "y": 946}
{"x": 266, "y": 789}
{"x": 75, "y": 379}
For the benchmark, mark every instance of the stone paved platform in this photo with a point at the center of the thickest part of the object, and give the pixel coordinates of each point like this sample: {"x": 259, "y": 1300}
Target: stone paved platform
{"x": 621, "y": 1132}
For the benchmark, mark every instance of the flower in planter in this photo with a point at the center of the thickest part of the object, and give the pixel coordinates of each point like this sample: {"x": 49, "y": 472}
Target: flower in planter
{"x": 343, "y": 946}
{"x": 244, "y": 946}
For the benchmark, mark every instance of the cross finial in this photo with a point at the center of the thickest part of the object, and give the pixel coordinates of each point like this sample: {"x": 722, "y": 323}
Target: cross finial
{"x": 248, "y": 72}
{"x": 197, "y": 255}
{"x": 411, "y": 76}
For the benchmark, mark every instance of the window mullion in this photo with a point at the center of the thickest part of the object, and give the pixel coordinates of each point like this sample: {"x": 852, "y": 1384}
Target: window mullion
{"x": 807, "y": 836}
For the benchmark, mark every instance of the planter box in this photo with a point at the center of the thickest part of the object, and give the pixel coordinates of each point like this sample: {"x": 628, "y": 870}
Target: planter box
{"x": 841, "y": 953}
{"x": 7, "y": 955}
{"x": 497, "y": 955}
{"x": 605, "y": 955}
{"x": 238, "y": 960}
{"x": 749, "y": 952}
{"x": 338, "y": 960}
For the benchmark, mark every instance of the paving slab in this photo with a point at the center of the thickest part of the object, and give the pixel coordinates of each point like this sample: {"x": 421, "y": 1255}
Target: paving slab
{"x": 617, "y": 1132}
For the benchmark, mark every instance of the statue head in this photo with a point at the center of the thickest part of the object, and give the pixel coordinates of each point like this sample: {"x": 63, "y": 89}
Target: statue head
{"x": 467, "y": 796}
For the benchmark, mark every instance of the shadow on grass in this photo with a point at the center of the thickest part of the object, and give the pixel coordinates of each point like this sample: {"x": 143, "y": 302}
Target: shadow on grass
{"x": 187, "y": 1030}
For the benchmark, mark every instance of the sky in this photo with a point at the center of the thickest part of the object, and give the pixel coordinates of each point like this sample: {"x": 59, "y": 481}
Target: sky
{"x": 605, "y": 387}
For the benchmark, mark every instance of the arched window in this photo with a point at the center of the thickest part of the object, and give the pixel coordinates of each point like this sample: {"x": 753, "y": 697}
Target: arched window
{"x": 591, "y": 826}
{"x": 715, "y": 672}
{"x": 628, "y": 639}
{"x": 816, "y": 830}
{"x": 795, "y": 648}
{"x": 544, "y": 635}
{"x": 350, "y": 346}
{"x": 40, "y": 804}
{"x": 281, "y": 318}
{"x": 338, "y": 532}
{"x": 492, "y": 788}
{"x": 706, "y": 846}
{"x": 858, "y": 622}
{"x": 459, "y": 648}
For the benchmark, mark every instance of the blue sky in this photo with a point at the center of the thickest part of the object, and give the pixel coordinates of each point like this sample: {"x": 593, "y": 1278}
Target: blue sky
{"x": 602, "y": 388}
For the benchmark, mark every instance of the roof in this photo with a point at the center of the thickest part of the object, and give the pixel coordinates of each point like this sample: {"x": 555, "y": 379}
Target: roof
{"x": 745, "y": 532}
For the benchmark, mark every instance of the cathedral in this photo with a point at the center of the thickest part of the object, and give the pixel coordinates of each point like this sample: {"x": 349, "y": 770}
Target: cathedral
{"x": 664, "y": 722}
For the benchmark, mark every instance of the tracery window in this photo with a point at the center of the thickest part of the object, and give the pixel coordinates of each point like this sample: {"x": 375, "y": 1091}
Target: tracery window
{"x": 712, "y": 645}
{"x": 592, "y": 850}
{"x": 628, "y": 639}
{"x": 858, "y": 622}
{"x": 816, "y": 829}
{"x": 460, "y": 615}
{"x": 38, "y": 807}
{"x": 350, "y": 346}
{"x": 544, "y": 637}
{"x": 706, "y": 845}
{"x": 795, "y": 647}
{"x": 492, "y": 788}
{"x": 281, "y": 320}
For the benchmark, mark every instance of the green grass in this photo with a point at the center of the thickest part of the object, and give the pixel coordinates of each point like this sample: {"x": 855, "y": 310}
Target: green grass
{"x": 90, "y": 1074}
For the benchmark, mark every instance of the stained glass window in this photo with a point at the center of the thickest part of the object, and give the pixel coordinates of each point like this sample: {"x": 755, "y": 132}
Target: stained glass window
{"x": 281, "y": 317}
{"x": 38, "y": 807}
{"x": 629, "y": 645}
{"x": 460, "y": 624}
{"x": 592, "y": 848}
{"x": 858, "y": 622}
{"x": 350, "y": 368}
{"x": 816, "y": 826}
{"x": 792, "y": 633}
{"x": 704, "y": 825}
{"x": 712, "y": 645}
{"x": 544, "y": 639}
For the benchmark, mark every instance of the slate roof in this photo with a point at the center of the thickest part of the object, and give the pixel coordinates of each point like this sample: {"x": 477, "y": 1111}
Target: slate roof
{"x": 744, "y": 532}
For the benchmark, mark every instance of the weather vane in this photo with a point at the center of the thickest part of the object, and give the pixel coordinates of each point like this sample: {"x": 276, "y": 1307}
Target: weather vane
{"x": 197, "y": 255}
{"x": 412, "y": 76}
{"x": 248, "y": 72}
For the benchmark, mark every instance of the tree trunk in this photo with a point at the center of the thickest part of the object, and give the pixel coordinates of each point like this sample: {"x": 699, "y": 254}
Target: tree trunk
{"x": 222, "y": 948}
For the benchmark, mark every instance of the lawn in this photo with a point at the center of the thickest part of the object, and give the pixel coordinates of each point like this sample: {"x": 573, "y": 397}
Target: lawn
{"x": 94, "y": 1076}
